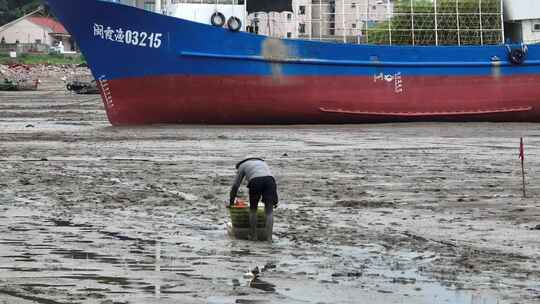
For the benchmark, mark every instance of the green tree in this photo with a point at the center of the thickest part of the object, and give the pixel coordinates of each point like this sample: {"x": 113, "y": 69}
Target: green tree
{"x": 3, "y": 6}
{"x": 13, "y": 9}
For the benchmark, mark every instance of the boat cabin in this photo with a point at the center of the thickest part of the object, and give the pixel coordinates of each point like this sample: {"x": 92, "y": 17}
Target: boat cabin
{"x": 522, "y": 20}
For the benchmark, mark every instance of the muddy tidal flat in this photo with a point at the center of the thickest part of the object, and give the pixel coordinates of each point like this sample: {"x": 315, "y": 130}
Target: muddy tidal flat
{"x": 391, "y": 213}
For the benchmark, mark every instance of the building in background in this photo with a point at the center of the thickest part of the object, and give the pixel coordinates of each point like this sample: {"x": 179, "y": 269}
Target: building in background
{"x": 333, "y": 20}
{"x": 36, "y": 33}
{"x": 294, "y": 24}
{"x": 348, "y": 20}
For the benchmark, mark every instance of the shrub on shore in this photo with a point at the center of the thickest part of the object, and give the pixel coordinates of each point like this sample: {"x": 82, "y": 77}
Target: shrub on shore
{"x": 33, "y": 58}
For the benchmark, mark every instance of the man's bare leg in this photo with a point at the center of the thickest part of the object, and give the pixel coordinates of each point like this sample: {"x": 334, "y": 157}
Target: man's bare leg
{"x": 253, "y": 224}
{"x": 269, "y": 221}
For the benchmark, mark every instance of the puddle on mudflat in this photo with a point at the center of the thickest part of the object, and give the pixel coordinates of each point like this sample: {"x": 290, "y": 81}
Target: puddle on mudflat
{"x": 125, "y": 266}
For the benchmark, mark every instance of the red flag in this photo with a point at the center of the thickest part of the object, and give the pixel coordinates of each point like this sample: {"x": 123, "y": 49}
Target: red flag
{"x": 521, "y": 150}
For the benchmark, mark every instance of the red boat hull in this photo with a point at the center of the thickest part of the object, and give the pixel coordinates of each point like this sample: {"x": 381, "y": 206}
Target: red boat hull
{"x": 298, "y": 100}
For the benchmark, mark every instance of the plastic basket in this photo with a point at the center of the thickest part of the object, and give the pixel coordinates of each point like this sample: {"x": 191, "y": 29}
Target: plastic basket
{"x": 240, "y": 217}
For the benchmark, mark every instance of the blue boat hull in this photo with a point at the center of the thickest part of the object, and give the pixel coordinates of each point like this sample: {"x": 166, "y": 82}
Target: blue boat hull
{"x": 159, "y": 69}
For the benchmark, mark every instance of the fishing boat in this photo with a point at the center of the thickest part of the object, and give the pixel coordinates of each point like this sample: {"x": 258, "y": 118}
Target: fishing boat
{"x": 152, "y": 67}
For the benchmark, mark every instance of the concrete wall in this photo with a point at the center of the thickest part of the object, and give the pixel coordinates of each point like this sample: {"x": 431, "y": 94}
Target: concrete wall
{"x": 515, "y": 10}
{"x": 529, "y": 34}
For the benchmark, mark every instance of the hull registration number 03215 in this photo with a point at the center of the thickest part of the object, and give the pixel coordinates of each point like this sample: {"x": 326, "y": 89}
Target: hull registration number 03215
{"x": 127, "y": 36}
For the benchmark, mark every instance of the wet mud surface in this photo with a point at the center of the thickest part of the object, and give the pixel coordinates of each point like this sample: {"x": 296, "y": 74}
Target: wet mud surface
{"x": 397, "y": 213}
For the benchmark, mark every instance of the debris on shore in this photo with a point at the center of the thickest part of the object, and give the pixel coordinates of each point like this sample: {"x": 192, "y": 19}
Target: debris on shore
{"x": 25, "y": 77}
{"x": 18, "y": 85}
{"x": 17, "y": 77}
{"x": 83, "y": 87}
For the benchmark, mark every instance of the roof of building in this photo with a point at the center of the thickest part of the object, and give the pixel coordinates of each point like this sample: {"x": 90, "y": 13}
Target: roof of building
{"x": 53, "y": 25}
{"x": 5, "y": 26}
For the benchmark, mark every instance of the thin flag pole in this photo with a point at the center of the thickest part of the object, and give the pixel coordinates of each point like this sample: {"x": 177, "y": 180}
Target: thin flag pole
{"x": 522, "y": 157}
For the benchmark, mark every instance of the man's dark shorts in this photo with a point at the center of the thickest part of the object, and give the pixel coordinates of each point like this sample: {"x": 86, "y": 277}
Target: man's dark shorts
{"x": 264, "y": 187}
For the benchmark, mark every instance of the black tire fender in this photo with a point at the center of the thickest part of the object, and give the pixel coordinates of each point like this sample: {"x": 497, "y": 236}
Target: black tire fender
{"x": 68, "y": 87}
{"x": 217, "y": 19}
{"x": 517, "y": 56}
{"x": 234, "y": 24}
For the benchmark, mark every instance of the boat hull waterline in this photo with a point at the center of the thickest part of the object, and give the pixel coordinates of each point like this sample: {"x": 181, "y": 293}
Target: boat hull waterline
{"x": 153, "y": 69}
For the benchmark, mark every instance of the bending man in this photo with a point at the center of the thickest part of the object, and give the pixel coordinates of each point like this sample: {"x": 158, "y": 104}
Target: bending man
{"x": 261, "y": 183}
